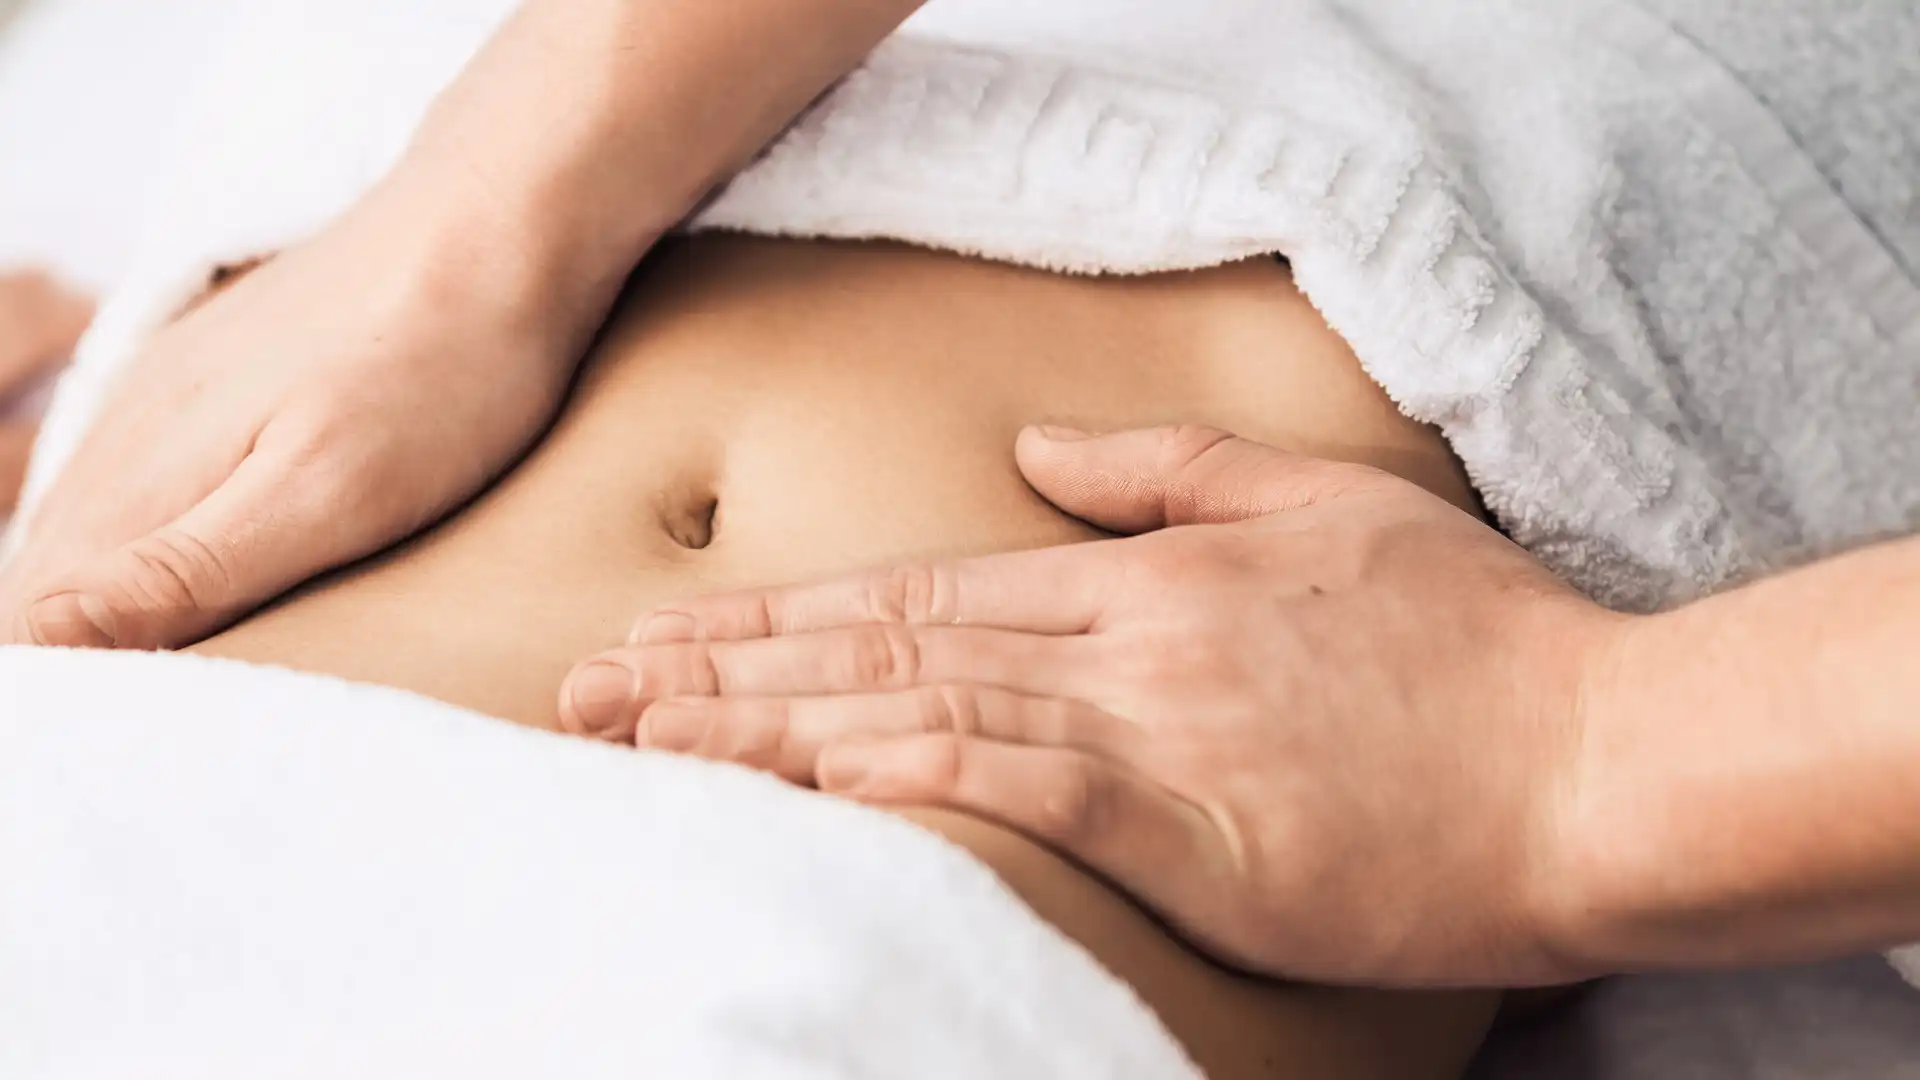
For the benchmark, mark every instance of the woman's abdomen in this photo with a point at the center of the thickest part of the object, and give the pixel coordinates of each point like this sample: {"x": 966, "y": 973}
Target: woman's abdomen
{"x": 766, "y": 411}
{"x": 763, "y": 411}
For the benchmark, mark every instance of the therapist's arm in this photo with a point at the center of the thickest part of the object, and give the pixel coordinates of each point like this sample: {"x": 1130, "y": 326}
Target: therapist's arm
{"x": 593, "y": 126}
{"x": 1752, "y": 773}
{"x": 422, "y": 340}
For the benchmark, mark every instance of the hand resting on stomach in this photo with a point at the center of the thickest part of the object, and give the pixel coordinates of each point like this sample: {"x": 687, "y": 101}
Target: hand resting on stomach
{"x": 763, "y": 411}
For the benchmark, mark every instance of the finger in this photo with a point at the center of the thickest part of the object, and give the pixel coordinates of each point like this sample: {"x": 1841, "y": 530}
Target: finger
{"x": 1148, "y": 841}
{"x": 252, "y": 538}
{"x": 786, "y": 735}
{"x": 608, "y": 692}
{"x": 1058, "y": 590}
{"x": 1156, "y": 478}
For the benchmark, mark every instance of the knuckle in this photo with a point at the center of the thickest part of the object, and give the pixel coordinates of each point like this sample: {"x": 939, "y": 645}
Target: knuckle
{"x": 310, "y": 441}
{"x": 324, "y": 477}
{"x": 1069, "y": 809}
{"x": 172, "y": 570}
{"x": 884, "y": 655}
{"x": 337, "y": 461}
{"x": 667, "y": 726}
{"x": 1188, "y": 455}
{"x": 944, "y": 765}
{"x": 951, "y": 709}
{"x": 1058, "y": 722}
{"x": 767, "y": 614}
{"x": 789, "y": 754}
{"x": 911, "y": 594}
{"x": 1185, "y": 445}
{"x": 757, "y": 737}
{"x": 703, "y": 671}
{"x": 666, "y": 627}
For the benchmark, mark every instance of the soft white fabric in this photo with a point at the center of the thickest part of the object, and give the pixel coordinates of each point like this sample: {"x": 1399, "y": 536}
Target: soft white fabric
{"x": 215, "y": 870}
{"x": 87, "y": 120}
{"x": 1907, "y": 962}
{"x": 1666, "y": 350}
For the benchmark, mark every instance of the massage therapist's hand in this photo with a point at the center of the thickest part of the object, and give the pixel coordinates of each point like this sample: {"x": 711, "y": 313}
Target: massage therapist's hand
{"x": 364, "y": 383}
{"x": 334, "y": 400}
{"x": 1330, "y": 730}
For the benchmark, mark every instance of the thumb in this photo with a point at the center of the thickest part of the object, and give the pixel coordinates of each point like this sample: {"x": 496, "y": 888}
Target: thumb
{"x": 1155, "y": 478}
{"x": 236, "y": 549}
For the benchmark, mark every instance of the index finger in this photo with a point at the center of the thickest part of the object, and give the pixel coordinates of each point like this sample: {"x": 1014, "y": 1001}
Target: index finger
{"x": 1056, "y": 590}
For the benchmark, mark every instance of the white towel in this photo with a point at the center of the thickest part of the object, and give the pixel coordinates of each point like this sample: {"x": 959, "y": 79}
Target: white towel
{"x": 1907, "y": 962}
{"x": 1668, "y": 352}
{"x": 219, "y": 871}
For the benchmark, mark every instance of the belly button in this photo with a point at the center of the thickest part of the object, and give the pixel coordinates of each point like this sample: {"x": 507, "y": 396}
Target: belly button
{"x": 690, "y": 521}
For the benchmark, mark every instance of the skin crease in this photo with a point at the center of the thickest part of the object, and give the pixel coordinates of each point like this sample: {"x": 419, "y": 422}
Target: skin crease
{"x": 848, "y": 404}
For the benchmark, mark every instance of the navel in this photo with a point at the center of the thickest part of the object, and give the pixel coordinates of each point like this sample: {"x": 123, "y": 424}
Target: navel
{"x": 691, "y": 517}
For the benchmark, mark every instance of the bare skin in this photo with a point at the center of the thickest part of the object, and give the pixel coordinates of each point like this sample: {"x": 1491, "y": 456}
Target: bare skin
{"x": 40, "y": 322}
{"x": 1379, "y": 742}
{"x": 766, "y": 411}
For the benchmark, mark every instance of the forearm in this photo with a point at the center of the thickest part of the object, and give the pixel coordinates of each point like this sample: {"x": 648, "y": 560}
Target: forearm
{"x": 1752, "y": 779}
{"x": 586, "y": 128}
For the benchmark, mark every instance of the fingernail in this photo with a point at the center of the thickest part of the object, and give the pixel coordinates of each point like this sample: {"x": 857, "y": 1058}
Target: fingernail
{"x": 843, "y": 772}
{"x": 598, "y": 695}
{"x": 1056, "y": 433}
{"x": 666, "y": 628}
{"x": 670, "y": 725}
{"x": 73, "y": 621}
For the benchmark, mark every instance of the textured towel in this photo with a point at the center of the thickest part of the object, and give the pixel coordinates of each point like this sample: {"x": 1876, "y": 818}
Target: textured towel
{"x": 1631, "y": 290}
{"x": 217, "y": 871}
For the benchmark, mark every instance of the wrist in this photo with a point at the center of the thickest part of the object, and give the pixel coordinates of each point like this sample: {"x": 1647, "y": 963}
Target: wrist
{"x": 1576, "y": 897}
{"x": 589, "y": 128}
{"x": 1652, "y": 831}
{"x": 534, "y": 206}
{"x": 1746, "y": 781}
{"x": 476, "y": 256}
